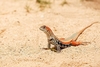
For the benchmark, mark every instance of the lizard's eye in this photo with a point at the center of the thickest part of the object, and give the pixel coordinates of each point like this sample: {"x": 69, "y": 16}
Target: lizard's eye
{"x": 43, "y": 27}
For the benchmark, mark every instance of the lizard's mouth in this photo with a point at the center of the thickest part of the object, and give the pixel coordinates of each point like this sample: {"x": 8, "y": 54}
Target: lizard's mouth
{"x": 41, "y": 29}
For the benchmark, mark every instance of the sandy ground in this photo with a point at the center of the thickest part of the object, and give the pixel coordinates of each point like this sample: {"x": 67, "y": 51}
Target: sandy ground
{"x": 21, "y": 41}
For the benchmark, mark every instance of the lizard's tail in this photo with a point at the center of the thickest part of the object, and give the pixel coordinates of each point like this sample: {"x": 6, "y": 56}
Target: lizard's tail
{"x": 87, "y": 27}
{"x": 80, "y": 32}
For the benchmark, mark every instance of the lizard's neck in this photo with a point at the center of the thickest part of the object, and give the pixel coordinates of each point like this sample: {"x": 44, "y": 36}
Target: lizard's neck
{"x": 50, "y": 34}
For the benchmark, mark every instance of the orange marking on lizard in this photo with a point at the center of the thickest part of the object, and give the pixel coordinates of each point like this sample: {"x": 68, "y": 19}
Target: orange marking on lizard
{"x": 59, "y": 43}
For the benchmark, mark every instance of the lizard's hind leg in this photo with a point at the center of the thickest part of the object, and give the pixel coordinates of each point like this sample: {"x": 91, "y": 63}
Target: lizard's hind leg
{"x": 75, "y": 43}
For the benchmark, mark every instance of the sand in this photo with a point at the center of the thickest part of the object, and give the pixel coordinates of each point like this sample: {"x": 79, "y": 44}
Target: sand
{"x": 21, "y": 41}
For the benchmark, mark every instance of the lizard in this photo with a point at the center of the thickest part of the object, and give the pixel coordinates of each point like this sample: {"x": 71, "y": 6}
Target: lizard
{"x": 59, "y": 43}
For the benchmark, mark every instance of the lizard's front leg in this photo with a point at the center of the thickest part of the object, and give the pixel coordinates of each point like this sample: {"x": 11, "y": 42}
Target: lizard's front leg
{"x": 49, "y": 45}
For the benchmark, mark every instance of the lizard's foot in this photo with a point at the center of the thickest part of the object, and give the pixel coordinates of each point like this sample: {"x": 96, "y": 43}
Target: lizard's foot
{"x": 46, "y": 48}
{"x": 85, "y": 43}
{"x": 52, "y": 49}
{"x": 55, "y": 50}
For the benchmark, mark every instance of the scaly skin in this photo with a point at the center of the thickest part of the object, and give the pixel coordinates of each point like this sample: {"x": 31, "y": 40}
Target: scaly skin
{"x": 59, "y": 43}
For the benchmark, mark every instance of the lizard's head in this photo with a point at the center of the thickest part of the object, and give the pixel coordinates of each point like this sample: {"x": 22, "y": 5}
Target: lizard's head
{"x": 47, "y": 31}
{"x": 45, "y": 28}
